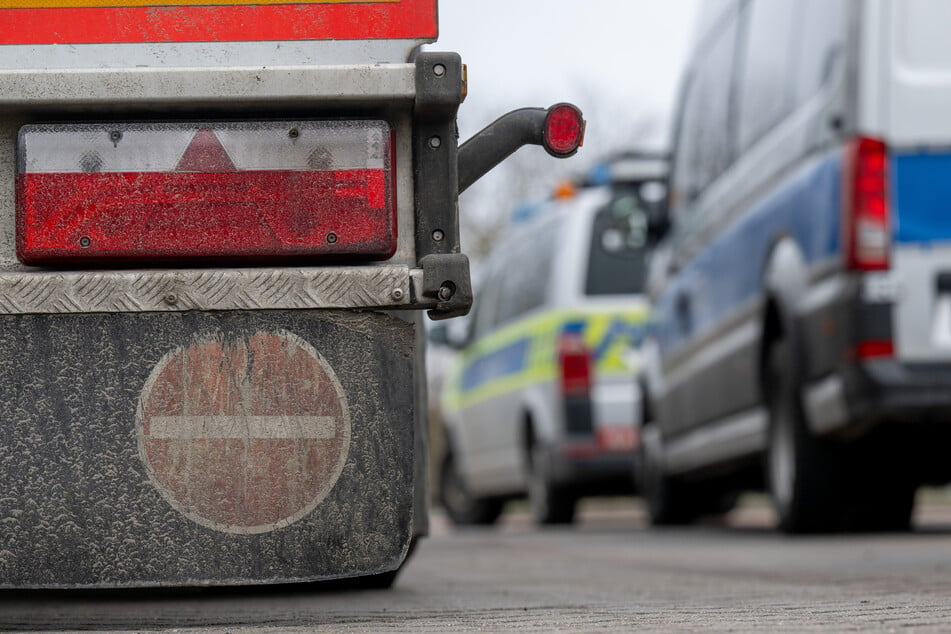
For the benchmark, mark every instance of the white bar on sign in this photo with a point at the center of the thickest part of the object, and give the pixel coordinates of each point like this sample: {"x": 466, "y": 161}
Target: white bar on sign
{"x": 242, "y": 427}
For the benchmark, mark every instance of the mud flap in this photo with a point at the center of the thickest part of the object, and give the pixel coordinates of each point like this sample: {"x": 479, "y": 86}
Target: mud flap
{"x": 198, "y": 448}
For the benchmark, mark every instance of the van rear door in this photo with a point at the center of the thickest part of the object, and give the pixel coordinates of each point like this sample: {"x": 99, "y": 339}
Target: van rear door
{"x": 906, "y": 93}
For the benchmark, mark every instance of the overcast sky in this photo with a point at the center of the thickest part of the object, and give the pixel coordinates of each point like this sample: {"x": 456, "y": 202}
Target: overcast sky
{"x": 620, "y": 61}
{"x": 611, "y": 57}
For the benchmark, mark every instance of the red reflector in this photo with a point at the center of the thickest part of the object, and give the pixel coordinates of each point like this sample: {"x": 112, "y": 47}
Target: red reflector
{"x": 205, "y": 154}
{"x": 874, "y": 348}
{"x": 619, "y": 438}
{"x": 575, "y": 361}
{"x": 866, "y": 227}
{"x": 182, "y": 192}
{"x": 564, "y": 130}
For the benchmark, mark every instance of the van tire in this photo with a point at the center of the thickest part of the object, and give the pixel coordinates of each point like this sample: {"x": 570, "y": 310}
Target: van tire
{"x": 669, "y": 503}
{"x": 550, "y": 504}
{"x": 803, "y": 472}
{"x": 461, "y": 507}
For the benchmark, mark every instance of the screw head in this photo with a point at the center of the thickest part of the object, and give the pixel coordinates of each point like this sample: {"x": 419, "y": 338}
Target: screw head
{"x": 171, "y": 299}
{"x": 439, "y": 70}
{"x": 435, "y": 142}
{"x": 438, "y": 235}
{"x": 445, "y": 293}
{"x": 293, "y": 133}
{"x": 331, "y": 238}
{"x": 397, "y": 294}
{"x": 84, "y": 242}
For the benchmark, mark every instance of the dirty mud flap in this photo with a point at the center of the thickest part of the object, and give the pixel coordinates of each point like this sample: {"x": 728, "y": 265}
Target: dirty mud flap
{"x": 201, "y": 448}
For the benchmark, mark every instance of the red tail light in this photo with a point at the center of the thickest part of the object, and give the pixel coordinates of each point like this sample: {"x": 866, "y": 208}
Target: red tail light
{"x": 874, "y": 349}
{"x": 574, "y": 358}
{"x": 866, "y": 227}
{"x": 165, "y": 192}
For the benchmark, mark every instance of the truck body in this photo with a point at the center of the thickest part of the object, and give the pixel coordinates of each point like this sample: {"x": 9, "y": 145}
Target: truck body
{"x": 216, "y": 221}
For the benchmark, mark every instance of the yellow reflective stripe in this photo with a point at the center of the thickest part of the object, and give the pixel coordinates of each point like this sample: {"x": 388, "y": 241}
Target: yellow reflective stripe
{"x": 541, "y": 361}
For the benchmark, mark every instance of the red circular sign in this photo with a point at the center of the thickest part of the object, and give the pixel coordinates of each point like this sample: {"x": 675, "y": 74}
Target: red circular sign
{"x": 244, "y": 435}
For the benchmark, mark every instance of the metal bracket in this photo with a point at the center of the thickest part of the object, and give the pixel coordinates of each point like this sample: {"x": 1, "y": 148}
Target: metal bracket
{"x": 439, "y": 91}
{"x": 497, "y": 141}
{"x": 446, "y": 280}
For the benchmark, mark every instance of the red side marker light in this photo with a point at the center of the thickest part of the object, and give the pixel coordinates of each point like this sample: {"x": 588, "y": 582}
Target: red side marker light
{"x": 564, "y": 130}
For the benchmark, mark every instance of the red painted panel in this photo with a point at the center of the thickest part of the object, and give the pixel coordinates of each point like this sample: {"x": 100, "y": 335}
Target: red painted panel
{"x": 395, "y": 19}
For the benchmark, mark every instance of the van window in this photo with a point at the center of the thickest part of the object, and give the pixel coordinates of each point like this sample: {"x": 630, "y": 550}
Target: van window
{"x": 824, "y": 30}
{"x": 526, "y": 276}
{"x": 704, "y": 139}
{"x": 486, "y": 309}
{"x": 767, "y": 64}
{"x": 617, "y": 257}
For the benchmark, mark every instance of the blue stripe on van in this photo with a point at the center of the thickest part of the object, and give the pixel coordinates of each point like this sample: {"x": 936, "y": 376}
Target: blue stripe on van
{"x": 921, "y": 185}
{"x": 497, "y": 364}
{"x": 728, "y": 273}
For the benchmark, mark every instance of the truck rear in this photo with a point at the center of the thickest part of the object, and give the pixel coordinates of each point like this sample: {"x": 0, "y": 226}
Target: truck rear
{"x": 216, "y": 221}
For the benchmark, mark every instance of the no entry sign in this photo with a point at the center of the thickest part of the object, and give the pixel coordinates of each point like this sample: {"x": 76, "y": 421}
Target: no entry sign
{"x": 128, "y": 21}
{"x": 246, "y": 434}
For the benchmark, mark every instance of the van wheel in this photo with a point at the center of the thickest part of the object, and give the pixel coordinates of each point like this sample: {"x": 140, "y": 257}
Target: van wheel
{"x": 550, "y": 504}
{"x": 802, "y": 471}
{"x": 668, "y": 501}
{"x": 461, "y": 507}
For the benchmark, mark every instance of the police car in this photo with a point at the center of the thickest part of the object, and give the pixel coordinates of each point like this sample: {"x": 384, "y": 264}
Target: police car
{"x": 542, "y": 399}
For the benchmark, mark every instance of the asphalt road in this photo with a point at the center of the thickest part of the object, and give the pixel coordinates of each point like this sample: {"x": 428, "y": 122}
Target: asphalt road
{"x": 608, "y": 573}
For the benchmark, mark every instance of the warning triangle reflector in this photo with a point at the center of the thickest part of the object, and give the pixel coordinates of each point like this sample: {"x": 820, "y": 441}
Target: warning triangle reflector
{"x": 205, "y": 154}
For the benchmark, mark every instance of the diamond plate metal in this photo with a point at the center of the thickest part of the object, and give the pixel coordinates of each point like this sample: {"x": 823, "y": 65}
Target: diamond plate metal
{"x": 212, "y": 289}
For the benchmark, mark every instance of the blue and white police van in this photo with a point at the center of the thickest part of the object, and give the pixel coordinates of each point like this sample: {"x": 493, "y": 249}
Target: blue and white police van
{"x": 802, "y": 298}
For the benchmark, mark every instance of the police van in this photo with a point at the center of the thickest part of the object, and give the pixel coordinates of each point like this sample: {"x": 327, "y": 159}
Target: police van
{"x": 542, "y": 398}
{"x": 219, "y": 226}
{"x": 803, "y": 295}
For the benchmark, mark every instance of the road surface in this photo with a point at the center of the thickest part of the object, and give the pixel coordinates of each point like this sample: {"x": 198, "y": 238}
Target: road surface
{"x": 608, "y": 573}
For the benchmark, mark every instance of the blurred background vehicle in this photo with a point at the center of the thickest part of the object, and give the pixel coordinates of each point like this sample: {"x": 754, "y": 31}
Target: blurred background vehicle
{"x": 542, "y": 398}
{"x": 803, "y": 295}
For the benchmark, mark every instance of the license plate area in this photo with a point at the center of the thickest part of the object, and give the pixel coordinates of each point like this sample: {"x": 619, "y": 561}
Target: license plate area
{"x": 205, "y": 191}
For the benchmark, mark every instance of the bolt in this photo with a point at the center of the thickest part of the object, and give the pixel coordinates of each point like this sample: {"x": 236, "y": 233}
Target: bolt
{"x": 84, "y": 242}
{"x": 171, "y": 299}
{"x": 397, "y": 294}
{"x": 445, "y": 293}
{"x": 331, "y": 238}
{"x": 439, "y": 70}
{"x": 438, "y": 235}
{"x": 435, "y": 142}
{"x": 293, "y": 133}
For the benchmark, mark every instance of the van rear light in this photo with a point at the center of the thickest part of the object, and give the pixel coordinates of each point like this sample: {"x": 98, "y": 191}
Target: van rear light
{"x": 874, "y": 349}
{"x": 574, "y": 359}
{"x": 866, "y": 229}
{"x": 205, "y": 191}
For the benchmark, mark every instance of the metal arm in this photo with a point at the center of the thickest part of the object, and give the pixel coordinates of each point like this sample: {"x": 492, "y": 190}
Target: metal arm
{"x": 497, "y": 141}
